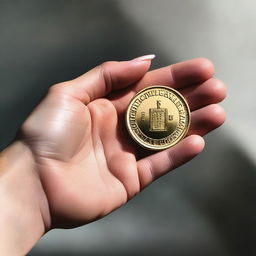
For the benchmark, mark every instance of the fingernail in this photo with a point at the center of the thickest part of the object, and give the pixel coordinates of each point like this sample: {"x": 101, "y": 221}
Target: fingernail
{"x": 145, "y": 57}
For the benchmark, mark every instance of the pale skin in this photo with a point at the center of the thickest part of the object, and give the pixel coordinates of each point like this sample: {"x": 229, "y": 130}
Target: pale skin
{"x": 74, "y": 162}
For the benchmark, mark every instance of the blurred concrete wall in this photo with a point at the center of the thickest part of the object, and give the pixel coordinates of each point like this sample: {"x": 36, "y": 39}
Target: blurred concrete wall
{"x": 206, "y": 207}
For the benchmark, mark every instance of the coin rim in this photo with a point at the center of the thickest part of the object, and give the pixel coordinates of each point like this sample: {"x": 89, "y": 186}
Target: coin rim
{"x": 130, "y": 130}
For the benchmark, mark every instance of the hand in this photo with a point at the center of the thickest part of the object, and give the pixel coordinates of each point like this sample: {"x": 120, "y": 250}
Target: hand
{"x": 87, "y": 163}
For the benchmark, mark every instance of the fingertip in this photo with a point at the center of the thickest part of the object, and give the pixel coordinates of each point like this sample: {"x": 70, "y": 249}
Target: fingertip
{"x": 185, "y": 150}
{"x": 191, "y": 72}
{"x": 148, "y": 57}
{"x": 121, "y": 74}
{"x": 207, "y": 119}
{"x": 142, "y": 65}
{"x": 211, "y": 91}
{"x": 155, "y": 165}
{"x": 219, "y": 90}
{"x": 128, "y": 72}
{"x": 205, "y": 63}
{"x": 197, "y": 143}
{"x": 205, "y": 67}
{"x": 219, "y": 113}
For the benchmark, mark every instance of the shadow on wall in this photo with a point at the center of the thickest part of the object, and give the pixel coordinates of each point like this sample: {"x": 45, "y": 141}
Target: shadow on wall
{"x": 211, "y": 201}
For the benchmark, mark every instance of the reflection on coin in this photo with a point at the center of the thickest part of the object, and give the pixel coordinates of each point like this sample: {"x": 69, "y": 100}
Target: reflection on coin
{"x": 158, "y": 117}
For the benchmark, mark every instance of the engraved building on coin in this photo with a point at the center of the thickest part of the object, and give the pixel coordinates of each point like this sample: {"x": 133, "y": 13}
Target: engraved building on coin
{"x": 157, "y": 117}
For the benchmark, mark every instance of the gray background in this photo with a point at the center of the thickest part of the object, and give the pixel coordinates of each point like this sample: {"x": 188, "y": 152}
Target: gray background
{"x": 208, "y": 206}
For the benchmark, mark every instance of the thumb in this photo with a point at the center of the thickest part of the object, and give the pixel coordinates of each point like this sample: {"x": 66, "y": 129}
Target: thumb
{"x": 111, "y": 75}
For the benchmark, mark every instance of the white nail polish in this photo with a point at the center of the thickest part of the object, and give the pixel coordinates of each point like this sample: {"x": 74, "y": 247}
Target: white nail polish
{"x": 145, "y": 57}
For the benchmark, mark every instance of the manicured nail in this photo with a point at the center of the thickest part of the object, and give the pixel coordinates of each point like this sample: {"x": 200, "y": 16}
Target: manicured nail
{"x": 145, "y": 57}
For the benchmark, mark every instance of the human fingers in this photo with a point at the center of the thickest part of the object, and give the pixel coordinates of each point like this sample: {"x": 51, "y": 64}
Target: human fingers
{"x": 206, "y": 119}
{"x": 179, "y": 75}
{"x": 153, "y": 166}
{"x": 209, "y": 92}
{"x": 101, "y": 80}
{"x": 203, "y": 121}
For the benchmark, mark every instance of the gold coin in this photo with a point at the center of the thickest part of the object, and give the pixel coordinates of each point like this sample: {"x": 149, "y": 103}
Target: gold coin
{"x": 158, "y": 117}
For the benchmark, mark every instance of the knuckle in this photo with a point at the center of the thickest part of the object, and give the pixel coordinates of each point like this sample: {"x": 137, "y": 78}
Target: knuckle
{"x": 106, "y": 73}
{"x": 55, "y": 87}
{"x": 105, "y": 68}
{"x": 102, "y": 109}
{"x": 106, "y": 65}
{"x": 59, "y": 87}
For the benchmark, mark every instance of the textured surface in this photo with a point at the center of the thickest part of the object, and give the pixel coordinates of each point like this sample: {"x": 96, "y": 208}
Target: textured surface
{"x": 204, "y": 208}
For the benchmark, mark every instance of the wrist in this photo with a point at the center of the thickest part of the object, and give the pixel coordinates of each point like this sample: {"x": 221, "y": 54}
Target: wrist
{"x": 23, "y": 203}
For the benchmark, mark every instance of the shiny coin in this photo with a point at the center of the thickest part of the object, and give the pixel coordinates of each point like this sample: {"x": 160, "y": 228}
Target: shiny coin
{"x": 158, "y": 117}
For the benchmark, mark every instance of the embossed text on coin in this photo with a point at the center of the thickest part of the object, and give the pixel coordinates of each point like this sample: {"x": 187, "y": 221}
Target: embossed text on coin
{"x": 158, "y": 117}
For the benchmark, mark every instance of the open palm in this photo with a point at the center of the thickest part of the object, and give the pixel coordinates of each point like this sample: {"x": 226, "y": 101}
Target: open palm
{"x": 86, "y": 161}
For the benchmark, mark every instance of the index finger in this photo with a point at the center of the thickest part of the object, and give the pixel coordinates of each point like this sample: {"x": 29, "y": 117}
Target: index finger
{"x": 177, "y": 76}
